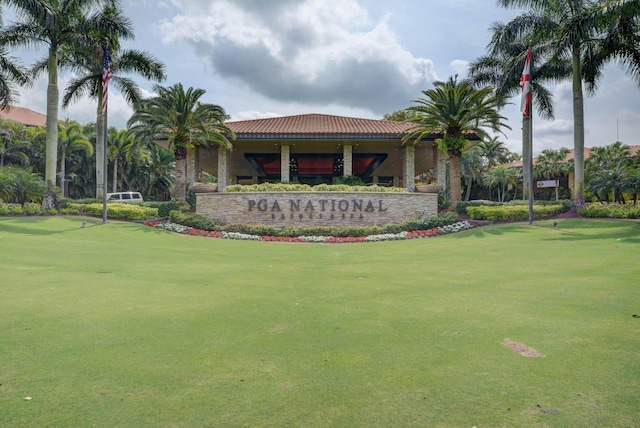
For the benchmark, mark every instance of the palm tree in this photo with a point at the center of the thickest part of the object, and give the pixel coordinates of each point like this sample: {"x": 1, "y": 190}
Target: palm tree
{"x": 178, "y": 117}
{"x": 577, "y": 30}
{"x": 13, "y": 143}
{"x": 70, "y": 139}
{"x": 501, "y": 177}
{"x": 10, "y": 72}
{"x": 472, "y": 168}
{"x": 494, "y": 151}
{"x": 87, "y": 64}
{"x": 59, "y": 24}
{"x": 455, "y": 109}
{"x": 552, "y": 164}
{"x": 610, "y": 169}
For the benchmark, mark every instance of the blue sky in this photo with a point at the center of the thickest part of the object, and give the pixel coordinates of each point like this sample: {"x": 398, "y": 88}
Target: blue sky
{"x": 360, "y": 58}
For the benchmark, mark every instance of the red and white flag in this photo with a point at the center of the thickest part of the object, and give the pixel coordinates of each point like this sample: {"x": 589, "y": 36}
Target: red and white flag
{"x": 525, "y": 83}
{"x": 106, "y": 76}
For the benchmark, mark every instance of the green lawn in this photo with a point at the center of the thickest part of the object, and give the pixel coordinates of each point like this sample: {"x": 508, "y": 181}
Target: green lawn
{"x": 123, "y": 325}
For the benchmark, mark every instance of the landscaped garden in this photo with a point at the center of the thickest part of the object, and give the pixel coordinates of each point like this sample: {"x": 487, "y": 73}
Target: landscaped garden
{"x": 121, "y": 324}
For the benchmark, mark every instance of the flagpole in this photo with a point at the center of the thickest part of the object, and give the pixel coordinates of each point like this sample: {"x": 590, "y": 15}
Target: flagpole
{"x": 530, "y": 146}
{"x": 106, "y": 75}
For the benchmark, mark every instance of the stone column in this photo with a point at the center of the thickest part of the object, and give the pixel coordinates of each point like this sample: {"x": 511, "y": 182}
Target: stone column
{"x": 193, "y": 168}
{"x": 347, "y": 160}
{"x": 285, "y": 159}
{"x": 409, "y": 168}
{"x": 440, "y": 167}
{"x": 223, "y": 168}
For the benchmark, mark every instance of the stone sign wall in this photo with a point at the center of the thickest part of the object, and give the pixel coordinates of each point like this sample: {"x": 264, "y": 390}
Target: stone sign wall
{"x": 316, "y": 208}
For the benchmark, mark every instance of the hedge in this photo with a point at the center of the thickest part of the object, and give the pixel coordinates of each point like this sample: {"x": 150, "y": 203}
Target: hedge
{"x": 199, "y": 222}
{"x": 118, "y": 211}
{"x": 297, "y": 187}
{"x": 512, "y": 213}
{"x": 611, "y": 210}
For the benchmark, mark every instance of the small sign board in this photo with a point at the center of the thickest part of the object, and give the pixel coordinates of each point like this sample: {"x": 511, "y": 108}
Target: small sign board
{"x": 545, "y": 183}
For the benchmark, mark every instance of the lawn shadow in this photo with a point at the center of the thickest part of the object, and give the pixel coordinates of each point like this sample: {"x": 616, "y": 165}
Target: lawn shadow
{"x": 24, "y": 227}
{"x": 627, "y": 231}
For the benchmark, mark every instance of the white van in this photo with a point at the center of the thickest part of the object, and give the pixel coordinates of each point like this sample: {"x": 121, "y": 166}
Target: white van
{"x": 125, "y": 197}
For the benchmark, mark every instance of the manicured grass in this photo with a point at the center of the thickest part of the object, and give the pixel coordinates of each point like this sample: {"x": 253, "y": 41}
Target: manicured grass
{"x": 123, "y": 325}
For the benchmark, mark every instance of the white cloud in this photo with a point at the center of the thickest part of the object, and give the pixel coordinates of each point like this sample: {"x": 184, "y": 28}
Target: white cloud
{"x": 312, "y": 52}
{"x": 460, "y": 67}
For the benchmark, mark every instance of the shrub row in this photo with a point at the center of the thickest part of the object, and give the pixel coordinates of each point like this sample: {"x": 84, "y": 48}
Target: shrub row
{"x": 512, "y": 213}
{"x": 117, "y": 211}
{"x": 461, "y": 207}
{"x": 297, "y": 187}
{"x": 198, "y": 222}
{"x": 30, "y": 208}
{"x": 611, "y": 211}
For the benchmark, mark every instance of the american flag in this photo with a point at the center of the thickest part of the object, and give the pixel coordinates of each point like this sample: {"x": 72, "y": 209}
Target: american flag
{"x": 525, "y": 83}
{"x": 106, "y": 76}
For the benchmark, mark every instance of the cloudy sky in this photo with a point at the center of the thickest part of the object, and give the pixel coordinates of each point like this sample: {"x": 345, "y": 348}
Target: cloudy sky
{"x": 360, "y": 58}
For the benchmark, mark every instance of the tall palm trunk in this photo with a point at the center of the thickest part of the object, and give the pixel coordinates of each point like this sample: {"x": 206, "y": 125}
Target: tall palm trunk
{"x": 180, "y": 193}
{"x": 114, "y": 180}
{"x": 63, "y": 173}
{"x": 578, "y": 131}
{"x": 49, "y": 201}
{"x": 454, "y": 180}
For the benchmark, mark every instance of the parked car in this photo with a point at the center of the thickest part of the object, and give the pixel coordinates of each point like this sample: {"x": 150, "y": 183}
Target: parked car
{"x": 125, "y": 197}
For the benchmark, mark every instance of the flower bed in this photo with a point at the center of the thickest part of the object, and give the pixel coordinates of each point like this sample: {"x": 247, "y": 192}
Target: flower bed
{"x": 414, "y": 234}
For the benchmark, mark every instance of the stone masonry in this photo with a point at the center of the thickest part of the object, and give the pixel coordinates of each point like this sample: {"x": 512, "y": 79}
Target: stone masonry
{"x": 316, "y": 208}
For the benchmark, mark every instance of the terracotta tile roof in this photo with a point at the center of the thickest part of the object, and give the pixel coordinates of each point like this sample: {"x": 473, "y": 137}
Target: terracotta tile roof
{"x": 24, "y": 116}
{"x": 570, "y": 155}
{"x": 317, "y": 124}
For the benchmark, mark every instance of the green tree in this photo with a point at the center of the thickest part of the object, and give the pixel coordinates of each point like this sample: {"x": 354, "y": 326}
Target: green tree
{"x": 494, "y": 151}
{"x": 70, "y": 139}
{"x": 179, "y": 118}
{"x": 11, "y": 73}
{"x": 88, "y": 64}
{"x": 58, "y": 24}
{"x": 13, "y": 143}
{"x": 552, "y": 164}
{"x": 577, "y": 30}
{"x": 610, "y": 170}
{"x": 20, "y": 185}
{"x": 455, "y": 109}
{"x": 501, "y": 177}
{"x": 400, "y": 116}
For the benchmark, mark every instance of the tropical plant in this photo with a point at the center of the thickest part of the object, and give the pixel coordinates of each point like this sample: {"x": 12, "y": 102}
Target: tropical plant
{"x": 501, "y": 177}
{"x": 88, "y": 66}
{"x": 552, "y": 164}
{"x": 11, "y": 73}
{"x": 472, "y": 165}
{"x": 70, "y": 140}
{"x": 20, "y": 185}
{"x": 59, "y": 24}
{"x": 13, "y": 143}
{"x": 611, "y": 170}
{"x": 494, "y": 151}
{"x": 179, "y": 118}
{"x": 456, "y": 110}
{"x": 589, "y": 33}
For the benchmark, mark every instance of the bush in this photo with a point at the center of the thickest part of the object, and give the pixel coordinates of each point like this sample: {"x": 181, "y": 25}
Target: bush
{"x": 118, "y": 211}
{"x": 164, "y": 208}
{"x": 612, "y": 210}
{"x": 297, "y": 187}
{"x": 350, "y": 180}
{"x": 194, "y": 220}
{"x": 512, "y": 213}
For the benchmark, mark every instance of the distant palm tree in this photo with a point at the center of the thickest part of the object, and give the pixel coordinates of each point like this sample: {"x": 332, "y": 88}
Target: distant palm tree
{"x": 87, "y": 65}
{"x": 455, "y": 109}
{"x": 14, "y": 144}
{"x": 579, "y": 30}
{"x": 611, "y": 169}
{"x": 58, "y": 24}
{"x": 179, "y": 118}
{"x": 552, "y": 164}
{"x": 494, "y": 151}
{"x": 501, "y": 177}
{"x": 70, "y": 139}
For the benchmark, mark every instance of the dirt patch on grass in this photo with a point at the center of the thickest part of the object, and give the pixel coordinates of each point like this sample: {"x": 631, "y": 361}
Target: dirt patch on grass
{"x": 522, "y": 349}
